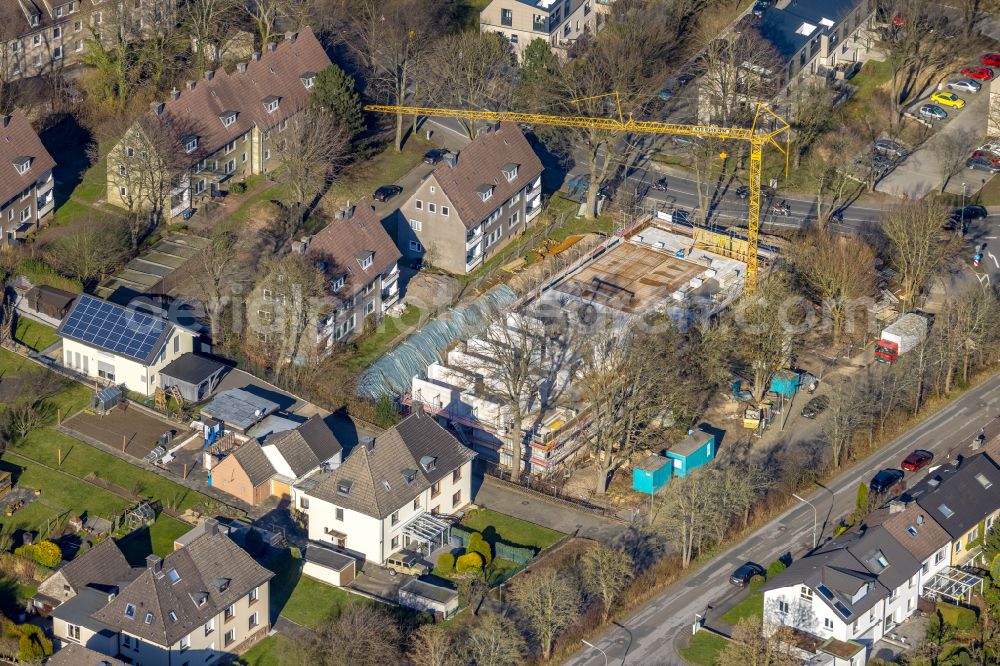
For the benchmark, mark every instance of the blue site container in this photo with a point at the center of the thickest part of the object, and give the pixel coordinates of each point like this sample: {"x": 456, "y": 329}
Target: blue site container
{"x": 786, "y": 383}
{"x": 692, "y": 452}
{"x": 651, "y": 474}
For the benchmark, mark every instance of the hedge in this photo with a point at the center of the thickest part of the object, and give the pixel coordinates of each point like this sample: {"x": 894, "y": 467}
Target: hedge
{"x": 446, "y": 562}
{"x": 462, "y": 534}
{"x": 775, "y": 568}
{"x": 478, "y": 545}
{"x": 957, "y": 616}
{"x": 518, "y": 554}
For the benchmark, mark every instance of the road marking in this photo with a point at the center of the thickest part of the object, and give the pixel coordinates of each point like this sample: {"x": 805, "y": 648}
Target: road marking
{"x": 994, "y": 258}
{"x": 990, "y": 237}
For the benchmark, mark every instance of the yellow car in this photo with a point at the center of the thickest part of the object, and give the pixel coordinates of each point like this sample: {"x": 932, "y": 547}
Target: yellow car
{"x": 948, "y": 99}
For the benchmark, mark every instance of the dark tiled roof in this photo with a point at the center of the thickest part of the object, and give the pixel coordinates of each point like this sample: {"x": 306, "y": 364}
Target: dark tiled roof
{"x": 254, "y": 462}
{"x": 958, "y": 497}
{"x": 481, "y": 163}
{"x": 203, "y": 567}
{"x": 192, "y": 368}
{"x": 72, "y": 654}
{"x": 342, "y": 242}
{"x": 79, "y": 609}
{"x": 104, "y": 565}
{"x": 276, "y": 74}
{"x": 307, "y": 446}
{"x": 394, "y": 453}
{"x": 913, "y": 528}
{"x": 327, "y": 557}
{"x": 18, "y": 139}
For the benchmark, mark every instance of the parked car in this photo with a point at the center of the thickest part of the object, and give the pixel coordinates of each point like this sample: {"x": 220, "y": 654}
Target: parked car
{"x": 815, "y": 406}
{"x": 684, "y": 79}
{"x": 434, "y": 156}
{"x": 933, "y": 111}
{"x": 885, "y": 480}
{"x": 982, "y": 164}
{"x": 660, "y": 185}
{"x": 964, "y": 85}
{"x": 976, "y": 72}
{"x": 970, "y": 212}
{"x": 386, "y": 192}
{"x": 405, "y": 562}
{"x": 992, "y": 146}
{"x": 990, "y": 59}
{"x": 743, "y": 192}
{"x": 741, "y": 577}
{"x": 881, "y": 164}
{"x": 760, "y": 7}
{"x": 665, "y": 94}
{"x": 948, "y": 99}
{"x": 986, "y": 155}
{"x": 917, "y": 460}
{"x": 889, "y": 148}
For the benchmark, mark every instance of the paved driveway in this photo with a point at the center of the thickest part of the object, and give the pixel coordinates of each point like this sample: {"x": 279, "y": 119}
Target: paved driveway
{"x": 921, "y": 172}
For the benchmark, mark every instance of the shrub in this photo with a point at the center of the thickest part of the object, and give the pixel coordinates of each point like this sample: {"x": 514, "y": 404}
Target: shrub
{"x": 47, "y": 554}
{"x": 446, "y": 563}
{"x": 958, "y": 617}
{"x": 756, "y": 580}
{"x": 33, "y": 645}
{"x": 775, "y": 568}
{"x": 238, "y": 188}
{"x": 469, "y": 563}
{"x": 478, "y": 545}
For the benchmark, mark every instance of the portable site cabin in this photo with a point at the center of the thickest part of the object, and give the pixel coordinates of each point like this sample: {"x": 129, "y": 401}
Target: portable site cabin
{"x": 786, "y": 383}
{"x": 651, "y": 474}
{"x": 697, "y": 449}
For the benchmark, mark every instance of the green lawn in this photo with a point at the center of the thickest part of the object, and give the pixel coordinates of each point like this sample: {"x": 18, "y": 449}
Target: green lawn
{"x": 34, "y": 335}
{"x": 273, "y": 651}
{"x": 509, "y": 529}
{"x": 12, "y": 364}
{"x": 158, "y": 539}
{"x": 275, "y": 192}
{"x": 71, "y": 398}
{"x": 94, "y": 185}
{"x": 751, "y": 606}
{"x": 375, "y": 344}
{"x": 312, "y": 602}
{"x": 703, "y": 649}
{"x": 71, "y": 212}
{"x": 364, "y": 177}
{"x": 81, "y": 460}
{"x": 38, "y": 272}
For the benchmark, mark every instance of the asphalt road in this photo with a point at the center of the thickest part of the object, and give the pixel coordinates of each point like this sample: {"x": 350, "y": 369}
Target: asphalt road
{"x": 647, "y": 637}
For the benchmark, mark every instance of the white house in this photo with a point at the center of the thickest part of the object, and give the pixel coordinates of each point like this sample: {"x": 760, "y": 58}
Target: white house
{"x": 120, "y": 345}
{"x": 388, "y": 492}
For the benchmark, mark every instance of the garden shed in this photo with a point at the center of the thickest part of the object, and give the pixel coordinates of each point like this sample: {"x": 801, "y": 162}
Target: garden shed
{"x": 196, "y": 377}
{"x": 423, "y": 596}
{"x": 107, "y": 399}
{"x": 328, "y": 565}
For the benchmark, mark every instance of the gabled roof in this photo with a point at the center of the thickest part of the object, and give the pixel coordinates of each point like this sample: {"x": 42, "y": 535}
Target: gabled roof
{"x": 912, "y": 527}
{"x": 254, "y": 462}
{"x": 213, "y": 569}
{"x": 959, "y": 496}
{"x": 275, "y": 74}
{"x": 481, "y": 164}
{"x": 305, "y": 447}
{"x": 19, "y": 140}
{"x": 399, "y": 464}
{"x": 103, "y": 565}
{"x": 116, "y": 329}
{"x": 343, "y": 244}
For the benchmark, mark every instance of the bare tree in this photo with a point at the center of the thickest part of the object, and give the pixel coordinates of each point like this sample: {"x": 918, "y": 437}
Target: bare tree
{"x": 835, "y": 271}
{"x": 974, "y": 11}
{"x": 754, "y": 643}
{"x": 763, "y": 331}
{"x": 208, "y": 22}
{"x": 811, "y": 116}
{"x": 919, "y": 250}
{"x": 268, "y": 17}
{"x": 494, "y": 641}
{"x": 549, "y": 601}
{"x": 361, "y": 635}
{"x": 834, "y": 182}
{"x": 606, "y": 572}
{"x": 952, "y": 151}
{"x": 686, "y": 505}
{"x": 219, "y": 265}
{"x": 432, "y": 645}
{"x": 850, "y": 409}
{"x": 741, "y": 69}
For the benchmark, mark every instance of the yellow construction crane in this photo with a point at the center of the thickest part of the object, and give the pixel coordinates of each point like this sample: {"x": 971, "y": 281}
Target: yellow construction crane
{"x": 756, "y": 135}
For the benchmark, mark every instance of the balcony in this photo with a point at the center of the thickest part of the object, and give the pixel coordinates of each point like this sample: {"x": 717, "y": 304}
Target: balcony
{"x": 533, "y": 208}
{"x": 472, "y": 262}
{"x": 45, "y": 203}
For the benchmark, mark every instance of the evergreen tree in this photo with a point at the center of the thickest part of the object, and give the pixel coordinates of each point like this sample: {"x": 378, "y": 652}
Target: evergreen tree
{"x": 335, "y": 90}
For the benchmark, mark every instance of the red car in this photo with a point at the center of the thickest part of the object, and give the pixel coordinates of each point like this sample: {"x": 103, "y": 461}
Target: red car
{"x": 984, "y": 73}
{"x": 917, "y": 459}
{"x": 986, "y": 155}
{"x": 991, "y": 59}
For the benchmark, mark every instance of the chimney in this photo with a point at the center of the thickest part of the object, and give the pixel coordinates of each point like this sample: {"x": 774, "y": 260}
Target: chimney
{"x": 209, "y": 74}
{"x": 920, "y": 519}
{"x": 154, "y": 563}
{"x": 291, "y": 37}
{"x": 271, "y": 46}
{"x": 256, "y": 56}
{"x": 241, "y": 67}
{"x": 211, "y": 526}
{"x": 175, "y": 94}
{"x": 156, "y": 107}
{"x": 451, "y": 158}
{"x": 191, "y": 85}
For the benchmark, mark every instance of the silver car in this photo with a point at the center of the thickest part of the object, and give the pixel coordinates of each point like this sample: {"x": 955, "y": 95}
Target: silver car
{"x": 965, "y": 85}
{"x": 933, "y": 111}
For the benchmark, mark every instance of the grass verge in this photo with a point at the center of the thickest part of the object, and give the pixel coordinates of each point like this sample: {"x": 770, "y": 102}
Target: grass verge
{"x": 272, "y": 651}
{"x": 703, "y": 649}
{"x": 364, "y": 177}
{"x": 377, "y": 342}
{"x": 751, "y": 606}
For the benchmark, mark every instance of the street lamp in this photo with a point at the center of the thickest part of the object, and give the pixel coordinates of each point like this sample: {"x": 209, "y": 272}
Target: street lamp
{"x": 965, "y": 189}
{"x": 802, "y": 499}
{"x": 591, "y": 645}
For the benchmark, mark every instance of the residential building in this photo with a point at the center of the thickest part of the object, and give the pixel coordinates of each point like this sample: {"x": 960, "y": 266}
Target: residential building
{"x": 920, "y": 534}
{"x": 119, "y": 345}
{"x": 25, "y": 178}
{"x": 216, "y": 131}
{"x": 197, "y": 604}
{"x": 559, "y": 23}
{"x": 388, "y": 492}
{"x": 72, "y": 654}
{"x": 362, "y": 263}
{"x": 963, "y": 499}
{"x": 104, "y": 565}
{"x": 470, "y": 206}
{"x": 852, "y": 589}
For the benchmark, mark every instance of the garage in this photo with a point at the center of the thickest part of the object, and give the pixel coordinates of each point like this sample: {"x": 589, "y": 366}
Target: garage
{"x": 328, "y": 565}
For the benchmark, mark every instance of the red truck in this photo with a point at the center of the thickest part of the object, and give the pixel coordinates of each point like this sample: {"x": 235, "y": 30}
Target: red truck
{"x": 900, "y": 337}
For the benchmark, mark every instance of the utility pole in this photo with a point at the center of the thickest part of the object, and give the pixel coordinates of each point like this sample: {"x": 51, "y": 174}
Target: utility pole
{"x": 802, "y": 499}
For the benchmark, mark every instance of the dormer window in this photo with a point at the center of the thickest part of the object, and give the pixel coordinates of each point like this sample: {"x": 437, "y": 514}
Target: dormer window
{"x": 228, "y": 118}
{"x": 429, "y": 463}
{"x": 308, "y": 79}
{"x": 344, "y": 487}
{"x": 200, "y": 599}
{"x": 270, "y": 103}
{"x": 190, "y": 144}
{"x": 510, "y": 171}
{"x": 338, "y": 283}
{"x": 222, "y": 584}
{"x": 485, "y": 192}
{"x": 34, "y": 20}
{"x": 409, "y": 475}
{"x": 22, "y": 164}
{"x": 365, "y": 259}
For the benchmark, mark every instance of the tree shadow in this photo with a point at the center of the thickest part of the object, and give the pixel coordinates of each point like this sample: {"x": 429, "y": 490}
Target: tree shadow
{"x": 67, "y": 141}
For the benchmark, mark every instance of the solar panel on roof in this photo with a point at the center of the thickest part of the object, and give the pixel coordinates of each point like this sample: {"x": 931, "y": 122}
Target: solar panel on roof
{"x": 113, "y": 328}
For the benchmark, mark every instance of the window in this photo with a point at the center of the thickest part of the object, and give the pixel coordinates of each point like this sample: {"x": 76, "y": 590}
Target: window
{"x": 394, "y": 544}
{"x": 416, "y": 503}
{"x": 973, "y": 535}
{"x": 77, "y": 25}
{"x": 433, "y": 189}
{"x": 456, "y": 474}
{"x": 230, "y": 166}
{"x": 431, "y": 208}
{"x": 415, "y": 246}
{"x": 338, "y": 284}
{"x": 946, "y": 511}
{"x": 26, "y": 193}
{"x": 57, "y": 32}
{"x": 230, "y": 147}
{"x": 506, "y": 17}
{"x": 806, "y": 593}
{"x": 190, "y": 144}
{"x": 456, "y": 499}
{"x": 339, "y": 514}
{"x": 228, "y": 614}
{"x": 126, "y": 640}
{"x": 172, "y": 574}
{"x": 229, "y": 638}
{"x": 73, "y": 632}
{"x": 513, "y": 39}
{"x": 827, "y": 623}
{"x": 939, "y": 556}
{"x": 185, "y": 642}
{"x": 958, "y": 546}
{"x": 267, "y": 154}
{"x": 210, "y": 626}
{"x": 783, "y": 606}
{"x": 366, "y": 263}
{"x": 121, "y": 170}
{"x": 253, "y": 596}
{"x": 26, "y": 214}
{"x": 252, "y": 621}
{"x": 983, "y": 481}
{"x": 271, "y": 106}
{"x": 369, "y": 307}
{"x": 395, "y": 517}
{"x": 416, "y": 225}
{"x": 515, "y": 218}
{"x": 36, "y": 40}
{"x": 435, "y": 489}
{"x": 148, "y": 619}
{"x": 444, "y": 211}
{"x": 22, "y": 167}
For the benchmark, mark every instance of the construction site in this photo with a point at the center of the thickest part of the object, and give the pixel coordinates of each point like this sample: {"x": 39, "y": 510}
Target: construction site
{"x": 653, "y": 267}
